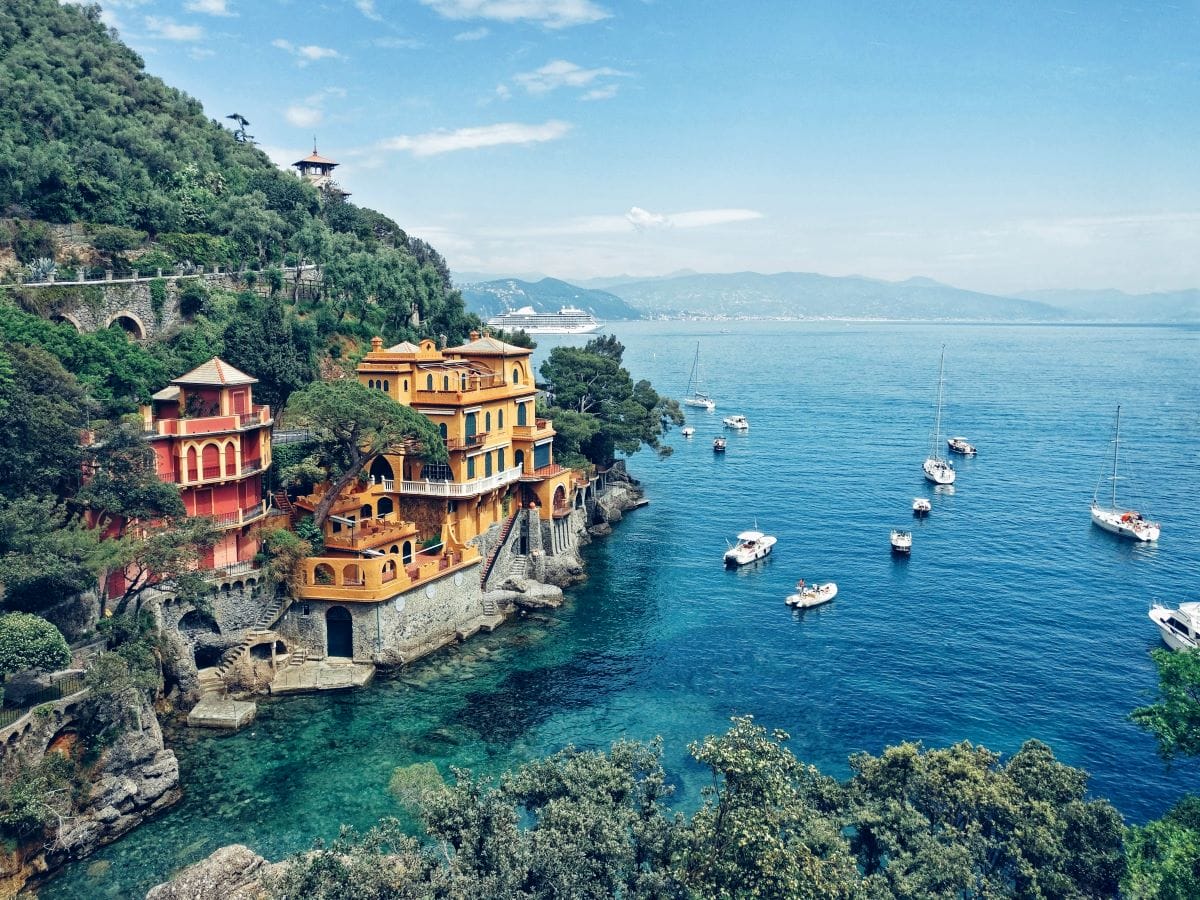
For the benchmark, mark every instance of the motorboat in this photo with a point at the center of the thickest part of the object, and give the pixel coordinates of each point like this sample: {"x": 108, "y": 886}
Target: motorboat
{"x": 1121, "y": 521}
{"x": 737, "y": 422}
{"x": 809, "y": 595}
{"x": 937, "y": 468}
{"x": 718, "y": 445}
{"x": 901, "y": 541}
{"x": 961, "y": 446}
{"x": 696, "y": 395}
{"x": 751, "y": 545}
{"x": 921, "y": 506}
{"x": 687, "y": 431}
{"x": 1180, "y": 627}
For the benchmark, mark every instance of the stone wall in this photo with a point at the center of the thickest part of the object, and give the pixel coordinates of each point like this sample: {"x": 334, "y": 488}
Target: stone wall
{"x": 399, "y": 630}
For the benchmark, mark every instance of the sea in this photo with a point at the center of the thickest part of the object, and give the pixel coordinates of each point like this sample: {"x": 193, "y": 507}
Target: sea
{"x": 1014, "y": 618}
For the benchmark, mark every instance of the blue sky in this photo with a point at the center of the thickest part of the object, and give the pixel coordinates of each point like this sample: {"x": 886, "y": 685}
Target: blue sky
{"x": 996, "y": 146}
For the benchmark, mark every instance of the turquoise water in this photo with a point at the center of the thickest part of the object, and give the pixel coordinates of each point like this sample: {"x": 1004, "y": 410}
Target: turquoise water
{"x": 1014, "y": 618}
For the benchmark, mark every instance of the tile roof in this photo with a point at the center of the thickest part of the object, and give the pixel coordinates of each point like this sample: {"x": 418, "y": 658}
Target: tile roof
{"x": 215, "y": 372}
{"x": 167, "y": 393}
{"x": 404, "y": 347}
{"x": 315, "y": 157}
{"x": 489, "y": 345}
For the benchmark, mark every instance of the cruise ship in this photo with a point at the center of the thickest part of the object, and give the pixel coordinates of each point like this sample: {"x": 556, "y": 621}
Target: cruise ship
{"x": 568, "y": 320}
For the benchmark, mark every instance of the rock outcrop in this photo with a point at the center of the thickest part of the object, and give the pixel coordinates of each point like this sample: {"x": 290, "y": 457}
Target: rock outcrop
{"x": 230, "y": 873}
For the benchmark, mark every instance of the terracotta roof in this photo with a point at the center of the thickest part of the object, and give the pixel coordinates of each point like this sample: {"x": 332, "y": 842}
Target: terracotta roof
{"x": 404, "y": 347}
{"x": 488, "y": 345}
{"x": 215, "y": 372}
{"x": 167, "y": 393}
{"x": 315, "y": 157}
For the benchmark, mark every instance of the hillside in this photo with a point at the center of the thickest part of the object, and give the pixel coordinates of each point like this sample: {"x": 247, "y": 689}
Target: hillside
{"x": 548, "y": 295}
{"x": 804, "y": 294}
{"x": 1118, "y": 306}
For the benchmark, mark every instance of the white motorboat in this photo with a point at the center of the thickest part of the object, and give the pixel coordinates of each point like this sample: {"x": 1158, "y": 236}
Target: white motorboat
{"x": 737, "y": 422}
{"x": 901, "y": 541}
{"x": 1121, "y": 521}
{"x": 921, "y": 506}
{"x": 961, "y": 446}
{"x": 1180, "y": 627}
{"x": 751, "y": 545}
{"x": 937, "y": 468}
{"x": 696, "y": 396}
{"x": 809, "y": 595}
{"x": 718, "y": 445}
{"x": 687, "y": 431}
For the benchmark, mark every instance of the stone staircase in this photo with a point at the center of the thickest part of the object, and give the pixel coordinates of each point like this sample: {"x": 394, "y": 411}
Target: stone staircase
{"x": 284, "y": 504}
{"x": 490, "y": 562}
{"x": 215, "y": 678}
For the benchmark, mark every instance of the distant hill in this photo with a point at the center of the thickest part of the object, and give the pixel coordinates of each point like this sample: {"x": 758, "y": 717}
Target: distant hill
{"x": 809, "y": 295}
{"x": 1164, "y": 306}
{"x": 490, "y": 298}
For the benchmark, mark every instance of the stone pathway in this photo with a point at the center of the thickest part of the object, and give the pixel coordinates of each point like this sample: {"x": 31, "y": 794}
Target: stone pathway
{"x": 218, "y": 712}
{"x": 322, "y": 675}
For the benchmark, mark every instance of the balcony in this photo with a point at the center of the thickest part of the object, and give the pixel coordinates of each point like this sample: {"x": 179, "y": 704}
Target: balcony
{"x": 380, "y": 578}
{"x": 494, "y": 388}
{"x": 259, "y": 416}
{"x": 219, "y": 473}
{"x": 542, "y": 428}
{"x": 469, "y": 443}
{"x": 370, "y": 533}
{"x": 241, "y": 517}
{"x": 452, "y": 488}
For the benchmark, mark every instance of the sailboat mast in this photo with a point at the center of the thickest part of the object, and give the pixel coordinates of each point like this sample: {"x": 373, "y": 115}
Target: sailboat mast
{"x": 937, "y": 421}
{"x": 692, "y": 379}
{"x": 1116, "y": 442}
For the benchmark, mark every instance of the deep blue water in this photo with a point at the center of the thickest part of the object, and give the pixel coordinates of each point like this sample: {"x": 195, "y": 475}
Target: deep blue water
{"x": 1015, "y": 618}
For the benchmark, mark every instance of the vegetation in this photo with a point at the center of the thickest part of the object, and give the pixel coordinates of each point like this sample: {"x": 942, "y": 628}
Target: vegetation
{"x": 350, "y": 424}
{"x": 587, "y": 824}
{"x": 1174, "y": 719}
{"x": 30, "y": 642}
{"x": 1164, "y": 855}
{"x": 598, "y": 409}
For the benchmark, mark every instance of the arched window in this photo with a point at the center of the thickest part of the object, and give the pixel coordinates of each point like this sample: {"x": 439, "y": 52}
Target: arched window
{"x": 386, "y": 386}
{"x": 380, "y": 469}
{"x": 429, "y": 382}
{"x": 445, "y": 382}
{"x": 406, "y": 385}
{"x": 462, "y": 381}
{"x": 487, "y": 464}
{"x": 516, "y": 375}
{"x": 470, "y": 467}
{"x": 487, "y": 421}
{"x": 521, "y": 415}
{"x": 191, "y": 471}
{"x": 384, "y": 506}
{"x": 519, "y": 459}
{"x": 442, "y": 429}
{"x": 406, "y": 552}
{"x": 370, "y": 383}
{"x": 230, "y": 459}
{"x": 352, "y": 575}
{"x": 500, "y": 459}
{"x": 210, "y": 456}
{"x": 500, "y": 418}
{"x": 366, "y": 512}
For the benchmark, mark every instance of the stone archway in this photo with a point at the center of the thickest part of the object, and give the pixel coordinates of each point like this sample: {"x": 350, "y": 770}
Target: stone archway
{"x": 339, "y": 632}
{"x": 129, "y": 323}
{"x": 67, "y": 319}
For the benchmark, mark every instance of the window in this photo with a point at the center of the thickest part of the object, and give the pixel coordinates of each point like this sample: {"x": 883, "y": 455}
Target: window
{"x": 500, "y": 459}
{"x": 500, "y": 419}
{"x": 487, "y": 464}
{"x": 521, "y": 415}
{"x": 487, "y": 421}
{"x": 442, "y": 429}
{"x": 470, "y": 467}
{"x": 445, "y": 382}
{"x": 386, "y": 386}
{"x": 406, "y": 385}
{"x": 516, "y": 375}
{"x": 437, "y": 472}
{"x": 429, "y": 382}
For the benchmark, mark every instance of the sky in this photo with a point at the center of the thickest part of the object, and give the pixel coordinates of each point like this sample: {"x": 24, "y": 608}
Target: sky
{"x": 997, "y": 146}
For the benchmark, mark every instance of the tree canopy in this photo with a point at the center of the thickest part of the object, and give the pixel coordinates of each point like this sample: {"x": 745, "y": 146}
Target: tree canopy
{"x": 1174, "y": 719}
{"x": 30, "y": 642}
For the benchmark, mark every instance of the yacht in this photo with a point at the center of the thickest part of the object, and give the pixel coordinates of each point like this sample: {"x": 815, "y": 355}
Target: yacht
{"x": 568, "y": 320}
{"x": 961, "y": 446}
{"x": 751, "y": 545}
{"x": 921, "y": 506}
{"x": 737, "y": 422}
{"x": 696, "y": 395}
{"x": 718, "y": 445}
{"x": 808, "y": 596}
{"x": 1180, "y": 627}
{"x": 901, "y": 541}
{"x": 1120, "y": 521}
{"x": 937, "y": 468}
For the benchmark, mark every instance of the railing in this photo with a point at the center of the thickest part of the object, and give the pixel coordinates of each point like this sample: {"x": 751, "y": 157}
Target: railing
{"x": 252, "y": 466}
{"x": 538, "y": 429}
{"x": 64, "y": 687}
{"x": 215, "y": 424}
{"x": 561, "y": 511}
{"x": 232, "y": 570}
{"x": 476, "y": 440}
{"x": 175, "y": 275}
{"x": 454, "y": 488}
{"x": 241, "y": 516}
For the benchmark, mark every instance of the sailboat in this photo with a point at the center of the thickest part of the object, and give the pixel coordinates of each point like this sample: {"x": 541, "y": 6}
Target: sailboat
{"x": 1124, "y": 522}
{"x": 937, "y": 468}
{"x": 695, "y": 394}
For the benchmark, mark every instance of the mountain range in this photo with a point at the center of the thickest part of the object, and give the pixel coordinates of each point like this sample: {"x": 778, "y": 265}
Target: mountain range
{"x": 490, "y": 298}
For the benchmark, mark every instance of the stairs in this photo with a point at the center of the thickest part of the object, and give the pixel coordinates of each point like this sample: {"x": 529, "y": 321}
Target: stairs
{"x": 284, "y": 504}
{"x": 505, "y": 531}
{"x": 519, "y": 568}
{"x": 261, "y": 629}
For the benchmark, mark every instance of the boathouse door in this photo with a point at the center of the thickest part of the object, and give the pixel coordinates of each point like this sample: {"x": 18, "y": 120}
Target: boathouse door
{"x": 339, "y": 634}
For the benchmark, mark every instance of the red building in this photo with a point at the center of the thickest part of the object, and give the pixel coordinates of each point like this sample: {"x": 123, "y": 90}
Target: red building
{"x": 211, "y": 439}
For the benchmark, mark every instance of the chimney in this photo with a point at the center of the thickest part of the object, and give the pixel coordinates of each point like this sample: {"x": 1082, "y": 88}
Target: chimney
{"x": 376, "y": 344}
{"x": 474, "y": 335}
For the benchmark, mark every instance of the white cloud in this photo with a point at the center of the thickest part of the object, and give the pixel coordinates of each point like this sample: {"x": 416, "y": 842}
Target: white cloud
{"x": 306, "y": 53}
{"x": 311, "y": 110}
{"x": 698, "y": 218}
{"x": 435, "y": 142}
{"x": 475, "y": 34}
{"x": 367, "y": 8}
{"x": 636, "y": 220}
{"x": 640, "y": 218}
{"x": 201, "y": 52}
{"x": 398, "y": 43}
{"x": 561, "y": 73}
{"x": 169, "y": 30}
{"x": 602, "y": 93}
{"x": 208, "y": 7}
{"x": 550, "y": 13}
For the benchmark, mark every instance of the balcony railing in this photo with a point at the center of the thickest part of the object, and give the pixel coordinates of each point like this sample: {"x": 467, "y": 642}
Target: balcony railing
{"x": 241, "y": 516}
{"x": 540, "y": 428}
{"x": 197, "y": 425}
{"x": 468, "y": 443}
{"x": 453, "y": 488}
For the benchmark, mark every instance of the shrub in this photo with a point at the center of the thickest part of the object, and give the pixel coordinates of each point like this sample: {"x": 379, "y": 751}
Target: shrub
{"x": 116, "y": 239}
{"x": 30, "y": 642}
{"x": 32, "y": 240}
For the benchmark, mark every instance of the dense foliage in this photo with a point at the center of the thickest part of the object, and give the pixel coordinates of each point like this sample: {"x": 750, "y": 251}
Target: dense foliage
{"x": 1174, "y": 719}
{"x": 597, "y": 408}
{"x": 911, "y": 823}
{"x": 30, "y": 642}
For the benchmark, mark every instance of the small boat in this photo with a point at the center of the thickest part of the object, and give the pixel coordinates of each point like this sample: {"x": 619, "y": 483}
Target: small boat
{"x": 1120, "y": 521}
{"x": 737, "y": 422}
{"x": 1180, "y": 627}
{"x": 751, "y": 545}
{"x": 921, "y": 506}
{"x": 687, "y": 431}
{"x": 718, "y": 445}
{"x": 808, "y": 596}
{"x": 961, "y": 446}
{"x": 695, "y": 395}
{"x": 937, "y": 468}
{"x": 901, "y": 541}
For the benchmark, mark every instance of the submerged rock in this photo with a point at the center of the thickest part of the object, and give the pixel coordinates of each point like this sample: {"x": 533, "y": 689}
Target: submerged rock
{"x": 231, "y": 873}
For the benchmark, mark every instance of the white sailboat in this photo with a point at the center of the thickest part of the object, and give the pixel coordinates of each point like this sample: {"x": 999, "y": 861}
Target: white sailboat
{"x": 937, "y": 468}
{"x": 1120, "y": 521}
{"x": 695, "y": 395}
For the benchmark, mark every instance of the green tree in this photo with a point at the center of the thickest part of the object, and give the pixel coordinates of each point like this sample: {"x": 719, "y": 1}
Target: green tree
{"x": 30, "y": 642}
{"x": 352, "y": 424}
{"x": 263, "y": 339}
{"x": 164, "y": 556}
{"x": 1164, "y": 855}
{"x": 123, "y": 481}
{"x": 1174, "y": 719}
{"x": 47, "y": 553}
